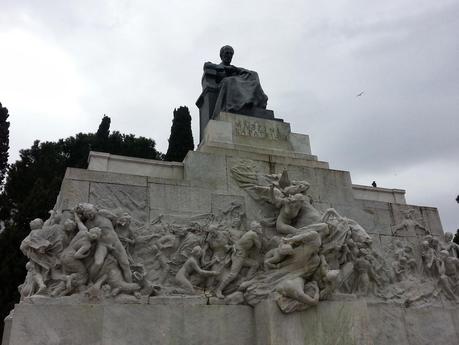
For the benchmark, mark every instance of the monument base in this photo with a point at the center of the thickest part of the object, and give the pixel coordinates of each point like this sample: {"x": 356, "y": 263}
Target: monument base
{"x": 139, "y": 324}
{"x": 192, "y": 321}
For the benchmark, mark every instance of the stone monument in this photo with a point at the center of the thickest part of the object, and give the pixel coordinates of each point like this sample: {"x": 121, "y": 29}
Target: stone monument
{"x": 251, "y": 240}
{"x": 227, "y": 88}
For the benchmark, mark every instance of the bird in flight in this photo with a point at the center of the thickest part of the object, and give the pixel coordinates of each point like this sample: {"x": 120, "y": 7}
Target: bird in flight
{"x": 360, "y": 94}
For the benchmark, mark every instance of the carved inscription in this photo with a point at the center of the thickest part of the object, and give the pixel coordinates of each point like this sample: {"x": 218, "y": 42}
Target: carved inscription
{"x": 257, "y": 129}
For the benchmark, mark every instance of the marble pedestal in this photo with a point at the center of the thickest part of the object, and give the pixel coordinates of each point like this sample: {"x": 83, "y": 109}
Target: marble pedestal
{"x": 194, "y": 322}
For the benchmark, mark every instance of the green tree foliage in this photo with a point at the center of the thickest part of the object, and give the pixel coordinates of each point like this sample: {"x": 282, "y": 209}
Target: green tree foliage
{"x": 181, "y": 139}
{"x": 4, "y": 141}
{"x": 104, "y": 128}
{"x": 456, "y": 237}
{"x": 31, "y": 189}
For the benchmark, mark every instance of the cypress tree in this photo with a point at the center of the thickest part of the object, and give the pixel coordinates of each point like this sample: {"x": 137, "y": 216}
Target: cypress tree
{"x": 102, "y": 135}
{"x": 181, "y": 138}
{"x": 104, "y": 128}
{"x": 4, "y": 141}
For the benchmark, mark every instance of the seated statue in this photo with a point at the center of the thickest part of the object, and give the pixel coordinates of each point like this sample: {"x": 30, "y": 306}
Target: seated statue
{"x": 239, "y": 89}
{"x": 231, "y": 89}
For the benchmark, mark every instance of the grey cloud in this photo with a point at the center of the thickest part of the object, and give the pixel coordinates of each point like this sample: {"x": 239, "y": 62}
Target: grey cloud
{"x": 140, "y": 59}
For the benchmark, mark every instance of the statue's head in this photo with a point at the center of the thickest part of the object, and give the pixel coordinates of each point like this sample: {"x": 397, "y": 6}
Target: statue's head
{"x": 448, "y": 236}
{"x": 226, "y": 54}
{"x": 124, "y": 219}
{"x": 196, "y": 251}
{"x": 69, "y": 225}
{"x": 36, "y": 224}
{"x": 86, "y": 210}
{"x": 444, "y": 254}
{"x": 94, "y": 233}
{"x": 256, "y": 227}
{"x": 428, "y": 238}
{"x": 236, "y": 217}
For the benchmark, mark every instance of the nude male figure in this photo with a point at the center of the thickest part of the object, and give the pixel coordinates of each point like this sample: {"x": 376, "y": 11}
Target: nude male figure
{"x": 275, "y": 257}
{"x": 72, "y": 256}
{"x": 191, "y": 266}
{"x": 241, "y": 256}
{"x": 447, "y": 272}
{"x": 450, "y": 246}
{"x": 290, "y": 207}
{"x": 108, "y": 240}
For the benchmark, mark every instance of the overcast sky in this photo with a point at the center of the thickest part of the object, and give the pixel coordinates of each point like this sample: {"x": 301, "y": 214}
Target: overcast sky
{"x": 63, "y": 64}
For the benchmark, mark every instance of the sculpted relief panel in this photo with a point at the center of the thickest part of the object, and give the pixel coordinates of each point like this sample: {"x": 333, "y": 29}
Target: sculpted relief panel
{"x": 292, "y": 253}
{"x": 131, "y": 199}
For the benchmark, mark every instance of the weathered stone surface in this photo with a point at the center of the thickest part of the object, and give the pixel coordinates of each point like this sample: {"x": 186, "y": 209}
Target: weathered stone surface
{"x": 7, "y": 330}
{"x": 334, "y": 186}
{"x": 327, "y": 324}
{"x": 381, "y": 214}
{"x": 387, "y": 325}
{"x": 99, "y": 161}
{"x": 132, "y": 199}
{"x": 105, "y": 177}
{"x": 178, "y": 324}
{"x": 455, "y": 316}
{"x": 169, "y": 198}
{"x": 300, "y": 143}
{"x": 206, "y": 170}
{"x": 218, "y": 132}
{"x": 72, "y": 192}
{"x": 266, "y": 155}
{"x": 430, "y": 325}
{"x": 375, "y": 219}
{"x": 177, "y": 300}
{"x": 57, "y": 324}
{"x": 432, "y": 220}
{"x": 223, "y": 202}
{"x": 379, "y": 194}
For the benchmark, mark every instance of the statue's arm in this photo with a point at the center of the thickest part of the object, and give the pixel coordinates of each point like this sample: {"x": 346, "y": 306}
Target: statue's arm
{"x": 83, "y": 251}
{"x": 399, "y": 227}
{"x": 212, "y": 69}
{"x": 80, "y": 225}
{"x": 257, "y": 242}
{"x": 277, "y": 201}
{"x": 420, "y": 226}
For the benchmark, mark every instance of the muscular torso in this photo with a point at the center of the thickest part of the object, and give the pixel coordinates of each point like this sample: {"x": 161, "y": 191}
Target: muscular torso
{"x": 80, "y": 240}
{"x": 246, "y": 242}
{"x": 217, "y": 243}
{"x": 108, "y": 234}
{"x": 451, "y": 266}
{"x": 290, "y": 210}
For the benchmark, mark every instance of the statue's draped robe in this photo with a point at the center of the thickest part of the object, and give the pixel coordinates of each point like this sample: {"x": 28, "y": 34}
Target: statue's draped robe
{"x": 242, "y": 91}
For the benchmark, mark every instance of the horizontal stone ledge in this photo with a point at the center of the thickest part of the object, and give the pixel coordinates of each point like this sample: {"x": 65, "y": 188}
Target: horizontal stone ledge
{"x": 105, "y": 177}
